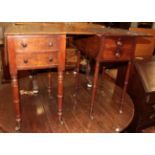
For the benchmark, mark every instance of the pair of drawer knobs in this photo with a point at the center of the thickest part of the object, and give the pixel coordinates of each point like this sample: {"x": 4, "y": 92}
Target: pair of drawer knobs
{"x": 118, "y": 50}
{"x": 24, "y": 44}
{"x": 50, "y": 59}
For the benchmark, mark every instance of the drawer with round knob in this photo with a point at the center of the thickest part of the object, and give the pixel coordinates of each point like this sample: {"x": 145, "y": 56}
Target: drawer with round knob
{"x": 32, "y": 43}
{"x": 117, "y": 50}
{"x": 36, "y": 60}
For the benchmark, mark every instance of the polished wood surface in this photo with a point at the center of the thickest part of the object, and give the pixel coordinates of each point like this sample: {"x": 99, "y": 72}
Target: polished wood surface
{"x": 54, "y": 28}
{"x": 69, "y": 28}
{"x": 144, "y": 46}
{"x": 39, "y": 112}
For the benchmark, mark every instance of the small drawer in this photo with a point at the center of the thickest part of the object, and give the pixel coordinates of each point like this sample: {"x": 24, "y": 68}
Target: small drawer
{"x": 36, "y": 43}
{"x": 36, "y": 60}
{"x": 117, "y": 50}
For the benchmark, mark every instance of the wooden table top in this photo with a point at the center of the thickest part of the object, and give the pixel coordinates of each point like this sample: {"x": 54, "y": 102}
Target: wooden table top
{"x": 69, "y": 29}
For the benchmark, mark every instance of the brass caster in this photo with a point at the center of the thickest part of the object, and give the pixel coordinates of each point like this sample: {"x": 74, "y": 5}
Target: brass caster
{"x": 17, "y": 129}
{"x": 91, "y": 117}
{"x": 18, "y": 123}
{"x": 61, "y": 120}
{"x": 120, "y": 111}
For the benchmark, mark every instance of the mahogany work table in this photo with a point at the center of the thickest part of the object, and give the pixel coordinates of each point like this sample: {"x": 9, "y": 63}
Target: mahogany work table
{"x": 43, "y": 46}
{"x": 111, "y": 45}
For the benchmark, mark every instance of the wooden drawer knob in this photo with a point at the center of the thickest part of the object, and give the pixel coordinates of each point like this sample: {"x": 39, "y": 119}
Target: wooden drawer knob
{"x": 117, "y": 53}
{"x": 50, "y": 59}
{"x": 23, "y": 44}
{"x": 50, "y": 44}
{"x": 26, "y": 61}
{"x": 119, "y": 43}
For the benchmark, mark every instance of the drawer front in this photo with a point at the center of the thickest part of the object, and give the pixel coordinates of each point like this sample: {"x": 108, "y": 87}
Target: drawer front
{"x": 36, "y": 43}
{"x": 36, "y": 60}
{"x": 117, "y": 50}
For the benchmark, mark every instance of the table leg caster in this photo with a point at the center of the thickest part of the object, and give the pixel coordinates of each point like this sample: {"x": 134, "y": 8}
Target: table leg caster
{"x": 60, "y": 119}
{"x": 91, "y": 116}
{"x": 18, "y": 125}
{"x": 120, "y": 111}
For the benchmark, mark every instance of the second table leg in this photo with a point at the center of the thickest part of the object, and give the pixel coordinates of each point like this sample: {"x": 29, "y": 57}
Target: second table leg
{"x": 16, "y": 101}
{"x": 94, "y": 88}
{"x": 60, "y": 94}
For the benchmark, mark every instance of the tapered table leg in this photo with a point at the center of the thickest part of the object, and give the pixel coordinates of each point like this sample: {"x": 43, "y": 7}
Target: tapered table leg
{"x": 60, "y": 94}
{"x": 94, "y": 88}
{"x": 15, "y": 92}
{"x": 125, "y": 86}
{"x": 49, "y": 83}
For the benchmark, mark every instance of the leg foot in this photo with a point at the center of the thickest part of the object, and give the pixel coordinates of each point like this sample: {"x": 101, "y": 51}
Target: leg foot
{"x": 91, "y": 116}
{"x": 120, "y": 111}
{"x": 18, "y": 125}
{"x": 61, "y": 120}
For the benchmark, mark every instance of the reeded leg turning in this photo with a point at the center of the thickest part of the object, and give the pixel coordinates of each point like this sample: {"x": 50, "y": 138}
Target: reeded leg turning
{"x": 60, "y": 94}
{"x": 15, "y": 92}
{"x": 125, "y": 86}
{"x": 49, "y": 83}
{"x": 94, "y": 88}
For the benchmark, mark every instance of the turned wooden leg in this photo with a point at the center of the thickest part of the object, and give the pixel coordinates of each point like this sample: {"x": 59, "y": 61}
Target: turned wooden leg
{"x": 49, "y": 83}
{"x": 94, "y": 88}
{"x": 60, "y": 94}
{"x": 125, "y": 86}
{"x": 15, "y": 92}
